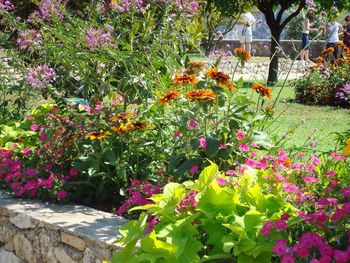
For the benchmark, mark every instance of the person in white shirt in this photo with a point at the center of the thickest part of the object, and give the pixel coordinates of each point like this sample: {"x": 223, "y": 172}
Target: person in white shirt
{"x": 245, "y": 32}
{"x": 304, "y": 55}
{"x": 334, "y": 29}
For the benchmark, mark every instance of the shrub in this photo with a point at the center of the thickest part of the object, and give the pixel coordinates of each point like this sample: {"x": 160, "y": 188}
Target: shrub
{"x": 327, "y": 83}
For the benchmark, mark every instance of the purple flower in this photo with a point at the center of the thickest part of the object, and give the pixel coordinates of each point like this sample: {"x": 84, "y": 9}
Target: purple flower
{"x": 29, "y": 39}
{"x": 46, "y": 10}
{"x": 124, "y": 6}
{"x": 342, "y": 95}
{"x": 7, "y": 5}
{"x": 41, "y": 76}
{"x": 335, "y": 9}
{"x": 97, "y": 37}
{"x": 309, "y": 2}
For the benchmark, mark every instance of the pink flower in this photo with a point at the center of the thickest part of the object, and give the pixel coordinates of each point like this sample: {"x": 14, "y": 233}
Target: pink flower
{"x": 310, "y": 179}
{"x": 315, "y": 160}
{"x": 177, "y": 134}
{"x": 61, "y": 194}
{"x": 42, "y": 136}
{"x": 194, "y": 169}
{"x": 34, "y": 127}
{"x": 135, "y": 182}
{"x": 345, "y": 192}
{"x": 222, "y": 145}
{"x": 221, "y": 181}
{"x": 280, "y": 247}
{"x": 285, "y": 216}
{"x": 280, "y": 225}
{"x": 268, "y": 226}
{"x": 287, "y": 259}
{"x": 309, "y": 167}
{"x": 330, "y": 173}
{"x": 73, "y": 171}
{"x": 231, "y": 172}
{"x": 98, "y": 107}
{"x": 15, "y": 186}
{"x": 193, "y": 124}
{"x": 290, "y": 188}
{"x": 341, "y": 256}
{"x": 244, "y": 147}
{"x": 338, "y": 157}
{"x": 203, "y": 143}
{"x": 26, "y": 151}
{"x": 240, "y": 135}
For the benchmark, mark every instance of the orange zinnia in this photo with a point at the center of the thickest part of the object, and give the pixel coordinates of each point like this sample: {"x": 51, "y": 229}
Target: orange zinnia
{"x": 185, "y": 79}
{"x": 262, "y": 90}
{"x": 171, "y": 95}
{"x": 201, "y": 95}
{"x": 242, "y": 54}
{"x": 221, "y": 78}
{"x": 129, "y": 127}
{"x": 194, "y": 67}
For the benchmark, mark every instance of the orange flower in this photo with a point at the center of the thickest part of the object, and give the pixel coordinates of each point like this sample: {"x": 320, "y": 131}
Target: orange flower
{"x": 121, "y": 117}
{"x": 221, "y": 78}
{"x": 171, "y": 95}
{"x": 97, "y": 135}
{"x": 319, "y": 60}
{"x": 194, "y": 67}
{"x": 328, "y": 50}
{"x": 129, "y": 127}
{"x": 185, "y": 79}
{"x": 242, "y": 54}
{"x": 262, "y": 90}
{"x": 201, "y": 95}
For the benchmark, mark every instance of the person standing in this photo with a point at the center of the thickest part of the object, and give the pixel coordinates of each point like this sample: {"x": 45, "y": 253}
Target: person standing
{"x": 334, "y": 29}
{"x": 346, "y": 38}
{"x": 245, "y": 31}
{"x": 305, "y": 39}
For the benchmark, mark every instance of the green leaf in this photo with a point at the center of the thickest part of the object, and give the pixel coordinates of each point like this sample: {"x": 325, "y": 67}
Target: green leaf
{"x": 206, "y": 177}
{"x": 150, "y": 244}
{"x": 243, "y": 258}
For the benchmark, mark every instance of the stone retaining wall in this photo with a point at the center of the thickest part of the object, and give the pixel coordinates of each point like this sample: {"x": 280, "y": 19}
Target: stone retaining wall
{"x": 33, "y": 232}
{"x": 262, "y": 47}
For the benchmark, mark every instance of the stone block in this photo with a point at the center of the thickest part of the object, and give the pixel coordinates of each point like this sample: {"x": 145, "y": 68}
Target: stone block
{"x": 23, "y": 248}
{"x": 22, "y": 221}
{"x": 9, "y": 257}
{"x": 73, "y": 241}
{"x": 62, "y": 256}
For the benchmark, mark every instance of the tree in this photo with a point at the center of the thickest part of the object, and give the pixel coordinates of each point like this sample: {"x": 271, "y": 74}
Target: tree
{"x": 277, "y": 19}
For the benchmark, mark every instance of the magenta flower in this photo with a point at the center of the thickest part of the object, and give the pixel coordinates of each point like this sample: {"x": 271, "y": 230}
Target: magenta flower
{"x": 194, "y": 169}
{"x": 280, "y": 225}
{"x": 290, "y": 188}
{"x": 315, "y": 160}
{"x": 268, "y": 226}
{"x": 41, "y": 76}
{"x": 221, "y": 181}
{"x": 288, "y": 259}
{"x": 244, "y": 147}
{"x": 61, "y": 194}
{"x": 73, "y": 171}
{"x": 240, "y": 135}
{"x": 193, "y": 124}
{"x": 338, "y": 157}
{"x": 177, "y": 134}
{"x": 203, "y": 143}
{"x": 34, "y": 127}
{"x": 280, "y": 247}
{"x": 345, "y": 192}
{"x": 330, "y": 173}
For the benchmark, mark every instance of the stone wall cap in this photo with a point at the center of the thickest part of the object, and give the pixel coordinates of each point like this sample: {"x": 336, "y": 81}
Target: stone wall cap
{"x": 83, "y": 221}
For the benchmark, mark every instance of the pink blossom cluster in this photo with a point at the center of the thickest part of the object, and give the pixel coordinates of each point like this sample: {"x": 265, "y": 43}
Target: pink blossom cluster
{"x": 139, "y": 194}
{"x": 96, "y": 38}
{"x": 29, "y": 39}
{"x": 6, "y": 5}
{"x": 307, "y": 243}
{"x": 188, "y": 203}
{"x": 41, "y": 76}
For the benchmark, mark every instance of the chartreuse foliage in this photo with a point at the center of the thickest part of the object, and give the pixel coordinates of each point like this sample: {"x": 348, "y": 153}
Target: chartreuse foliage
{"x": 223, "y": 222}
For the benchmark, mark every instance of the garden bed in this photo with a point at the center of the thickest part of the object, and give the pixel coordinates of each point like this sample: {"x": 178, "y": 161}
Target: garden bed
{"x": 31, "y": 231}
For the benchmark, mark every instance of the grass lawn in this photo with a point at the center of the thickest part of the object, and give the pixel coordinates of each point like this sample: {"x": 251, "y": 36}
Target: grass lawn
{"x": 320, "y": 122}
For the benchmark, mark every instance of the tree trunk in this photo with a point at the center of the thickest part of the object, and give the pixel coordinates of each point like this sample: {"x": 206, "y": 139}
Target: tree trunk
{"x": 273, "y": 67}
